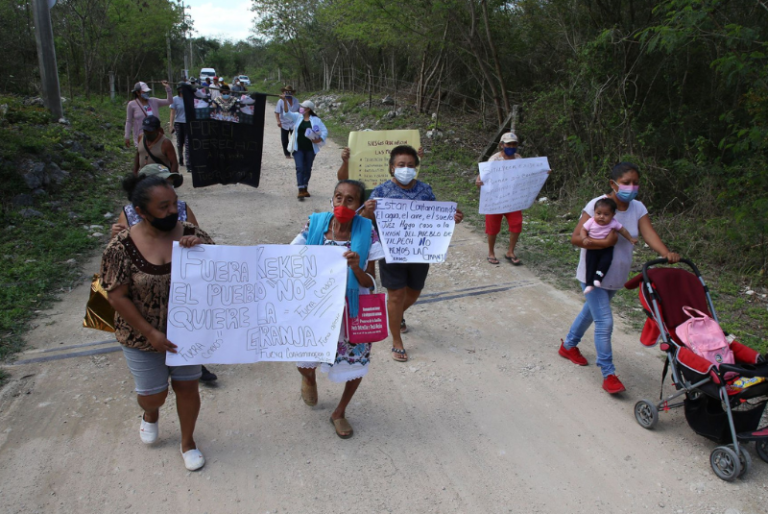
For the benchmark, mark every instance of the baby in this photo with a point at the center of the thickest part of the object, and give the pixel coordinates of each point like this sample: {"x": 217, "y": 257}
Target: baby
{"x": 596, "y": 228}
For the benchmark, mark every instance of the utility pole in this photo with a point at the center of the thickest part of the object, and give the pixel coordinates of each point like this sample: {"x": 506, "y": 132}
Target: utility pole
{"x": 46, "y": 57}
{"x": 170, "y": 68}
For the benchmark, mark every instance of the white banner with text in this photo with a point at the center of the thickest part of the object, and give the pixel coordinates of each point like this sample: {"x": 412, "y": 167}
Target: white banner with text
{"x": 511, "y": 185}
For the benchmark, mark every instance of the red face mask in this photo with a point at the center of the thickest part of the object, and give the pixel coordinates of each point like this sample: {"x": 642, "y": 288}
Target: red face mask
{"x": 343, "y": 214}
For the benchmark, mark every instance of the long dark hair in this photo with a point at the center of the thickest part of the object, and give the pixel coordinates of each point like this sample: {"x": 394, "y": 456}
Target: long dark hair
{"x": 139, "y": 188}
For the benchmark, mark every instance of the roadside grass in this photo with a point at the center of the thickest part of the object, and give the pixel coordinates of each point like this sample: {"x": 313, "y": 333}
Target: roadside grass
{"x": 41, "y": 256}
{"x": 450, "y": 166}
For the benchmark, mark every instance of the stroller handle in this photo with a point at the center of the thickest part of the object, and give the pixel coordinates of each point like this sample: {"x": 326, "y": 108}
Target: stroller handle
{"x": 663, "y": 260}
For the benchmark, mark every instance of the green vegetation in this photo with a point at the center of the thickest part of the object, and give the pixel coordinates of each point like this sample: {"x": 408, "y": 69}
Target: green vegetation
{"x": 47, "y": 232}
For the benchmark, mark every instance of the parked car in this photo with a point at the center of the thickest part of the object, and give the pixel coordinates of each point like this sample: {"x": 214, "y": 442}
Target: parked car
{"x": 244, "y": 80}
{"x": 207, "y": 73}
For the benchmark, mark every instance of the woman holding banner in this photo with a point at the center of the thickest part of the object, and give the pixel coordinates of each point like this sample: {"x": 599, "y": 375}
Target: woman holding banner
{"x": 309, "y": 135}
{"x": 404, "y": 282}
{"x": 343, "y": 227}
{"x": 136, "y": 273}
{"x": 508, "y": 151}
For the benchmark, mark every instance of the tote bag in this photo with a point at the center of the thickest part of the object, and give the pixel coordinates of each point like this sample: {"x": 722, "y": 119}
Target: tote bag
{"x": 371, "y": 323}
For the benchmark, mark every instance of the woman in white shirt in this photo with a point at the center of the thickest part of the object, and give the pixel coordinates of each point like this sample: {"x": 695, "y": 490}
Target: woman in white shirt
{"x": 287, "y": 103}
{"x": 632, "y": 214}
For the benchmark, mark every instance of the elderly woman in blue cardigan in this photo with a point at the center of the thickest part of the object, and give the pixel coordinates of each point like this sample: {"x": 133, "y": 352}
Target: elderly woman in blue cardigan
{"x": 343, "y": 227}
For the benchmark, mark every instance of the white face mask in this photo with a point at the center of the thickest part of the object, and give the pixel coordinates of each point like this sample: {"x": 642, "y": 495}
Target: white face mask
{"x": 405, "y": 175}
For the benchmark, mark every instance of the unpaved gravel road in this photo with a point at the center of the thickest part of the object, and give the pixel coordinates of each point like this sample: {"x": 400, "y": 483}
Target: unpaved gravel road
{"x": 484, "y": 418}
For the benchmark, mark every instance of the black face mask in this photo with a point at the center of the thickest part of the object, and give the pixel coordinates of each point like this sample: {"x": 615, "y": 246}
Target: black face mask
{"x": 165, "y": 224}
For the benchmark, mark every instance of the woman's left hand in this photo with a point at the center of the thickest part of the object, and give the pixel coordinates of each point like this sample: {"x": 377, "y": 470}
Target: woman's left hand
{"x": 353, "y": 259}
{"x": 189, "y": 241}
{"x": 672, "y": 257}
{"x": 458, "y": 216}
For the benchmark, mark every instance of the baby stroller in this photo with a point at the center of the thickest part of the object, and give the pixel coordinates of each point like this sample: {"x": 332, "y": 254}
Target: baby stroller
{"x": 713, "y": 408}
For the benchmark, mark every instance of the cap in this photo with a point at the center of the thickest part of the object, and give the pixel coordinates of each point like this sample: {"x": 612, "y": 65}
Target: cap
{"x": 141, "y": 86}
{"x": 150, "y": 123}
{"x": 215, "y": 78}
{"x": 308, "y": 104}
{"x": 509, "y": 137}
{"x": 152, "y": 170}
{"x": 288, "y": 89}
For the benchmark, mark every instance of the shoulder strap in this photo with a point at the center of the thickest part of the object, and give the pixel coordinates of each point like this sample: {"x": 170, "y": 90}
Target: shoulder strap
{"x": 143, "y": 111}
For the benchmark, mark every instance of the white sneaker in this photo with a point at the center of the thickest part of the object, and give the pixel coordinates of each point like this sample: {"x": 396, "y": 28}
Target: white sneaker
{"x": 193, "y": 459}
{"x": 148, "y": 431}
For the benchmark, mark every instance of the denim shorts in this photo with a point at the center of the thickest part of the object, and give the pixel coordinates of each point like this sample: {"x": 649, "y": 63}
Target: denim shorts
{"x": 150, "y": 374}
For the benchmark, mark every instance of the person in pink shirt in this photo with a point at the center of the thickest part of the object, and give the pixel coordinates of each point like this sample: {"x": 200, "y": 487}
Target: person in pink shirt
{"x": 141, "y": 106}
{"x": 597, "y": 228}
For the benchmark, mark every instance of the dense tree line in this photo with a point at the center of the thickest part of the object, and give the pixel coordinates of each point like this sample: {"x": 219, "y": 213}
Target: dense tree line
{"x": 679, "y": 85}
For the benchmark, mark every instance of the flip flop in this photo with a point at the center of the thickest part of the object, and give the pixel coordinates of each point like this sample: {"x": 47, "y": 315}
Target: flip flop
{"x": 513, "y": 259}
{"x": 309, "y": 392}
{"x": 342, "y": 425}
{"x": 492, "y": 260}
{"x": 401, "y": 352}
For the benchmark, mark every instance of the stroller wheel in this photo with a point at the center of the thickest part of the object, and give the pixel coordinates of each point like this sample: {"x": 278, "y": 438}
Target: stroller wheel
{"x": 762, "y": 449}
{"x": 646, "y": 414}
{"x": 744, "y": 459}
{"x": 725, "y": 463}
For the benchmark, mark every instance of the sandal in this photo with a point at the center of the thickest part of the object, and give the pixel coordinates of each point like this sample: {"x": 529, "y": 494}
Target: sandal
{"x": 308, "y": 392}
{"x": 403, "y": 357}
{"x": 513, "y": 259}
{"x": 403, "y": 327}
{"x": 343, "y": 428}
{"x": 492, "y": 260}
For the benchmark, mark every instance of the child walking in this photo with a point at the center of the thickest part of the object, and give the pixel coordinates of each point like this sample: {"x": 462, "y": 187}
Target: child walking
{"x": 596, "y": 228}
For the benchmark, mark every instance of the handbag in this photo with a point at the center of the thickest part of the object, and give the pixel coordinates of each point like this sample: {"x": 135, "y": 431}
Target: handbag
{"x": 99, "y": 313}
{"x": 704, "y": 336}
{"x": 371, "y": 323}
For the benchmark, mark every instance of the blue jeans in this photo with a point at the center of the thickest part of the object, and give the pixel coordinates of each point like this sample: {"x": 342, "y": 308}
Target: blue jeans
{"x": 304, "y": 160}
{"x": 597, "y": 308}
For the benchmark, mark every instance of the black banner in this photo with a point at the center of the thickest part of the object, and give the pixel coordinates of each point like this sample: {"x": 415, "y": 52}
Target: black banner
{"x": 224, "y": 152}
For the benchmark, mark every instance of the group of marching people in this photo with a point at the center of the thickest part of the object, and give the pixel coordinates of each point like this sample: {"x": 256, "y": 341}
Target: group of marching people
{"x": 136, "y": 264}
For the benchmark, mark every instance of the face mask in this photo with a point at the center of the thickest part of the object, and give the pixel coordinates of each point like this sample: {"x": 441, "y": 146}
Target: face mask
{"x": 287, "y": 96}
{"x": 343, "y": 214}
{"x": 225, "y": 97}
{"x": 627, "y": 193}
{"x": 509, "y": 152}
{"x": 165, "y": 224}
{"x": 151, "y": 136}
{"x": 302, "y": 110}
{"x": 145, "y": 96}
{"x": 405, "y": 175}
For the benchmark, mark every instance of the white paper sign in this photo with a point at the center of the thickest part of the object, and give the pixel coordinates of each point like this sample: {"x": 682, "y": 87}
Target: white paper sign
{"x": 511, "y": 185}
{"x": 414, "y": 231}
{"x": 243, "y": 304}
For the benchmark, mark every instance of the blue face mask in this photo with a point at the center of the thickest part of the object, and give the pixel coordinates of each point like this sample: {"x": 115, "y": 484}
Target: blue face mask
{"x": 145, "y": 96}
{"x": 509, "y": 152}
{"x": 225, "y": 97}
{"x": 627, "y": 193}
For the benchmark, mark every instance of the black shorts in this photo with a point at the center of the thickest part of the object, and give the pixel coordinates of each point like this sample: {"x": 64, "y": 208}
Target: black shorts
{"x": 398, "y": 276}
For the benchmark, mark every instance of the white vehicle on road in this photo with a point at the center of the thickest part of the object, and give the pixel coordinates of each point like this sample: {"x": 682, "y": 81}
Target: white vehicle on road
{"x": 244, "y": 80}
{"x": 206, "y": 73}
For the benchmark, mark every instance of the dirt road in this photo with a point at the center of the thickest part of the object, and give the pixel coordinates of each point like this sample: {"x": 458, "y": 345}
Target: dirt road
{"x": 484, "y": 418}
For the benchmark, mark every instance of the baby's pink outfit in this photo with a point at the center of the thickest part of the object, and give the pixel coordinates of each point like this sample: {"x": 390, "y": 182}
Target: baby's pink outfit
{"x": 597, "y": 231}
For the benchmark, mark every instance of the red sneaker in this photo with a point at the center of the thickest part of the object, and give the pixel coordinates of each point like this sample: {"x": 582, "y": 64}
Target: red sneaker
{"x": 613, "y": 385}
{"x": 573, "y": 354}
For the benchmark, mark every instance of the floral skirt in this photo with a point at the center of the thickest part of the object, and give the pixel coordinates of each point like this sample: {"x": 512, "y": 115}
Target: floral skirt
{"x": 351, "y": 362}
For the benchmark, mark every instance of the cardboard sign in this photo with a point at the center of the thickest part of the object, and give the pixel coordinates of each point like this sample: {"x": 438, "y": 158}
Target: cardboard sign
{"x": 224, "y": 152}
{"x": 369, "y": 153}
{"x": 244, "y": 304}
{"x": 415, "y": 231}
{"x": 511, "y": 185}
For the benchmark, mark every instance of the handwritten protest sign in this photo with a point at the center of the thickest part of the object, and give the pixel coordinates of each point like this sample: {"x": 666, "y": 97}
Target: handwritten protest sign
{"x": 241, "y": 304}
{"x": 415, "y": 231}
{"x": 369, "y": 153}
{"x": 511, "y": 185}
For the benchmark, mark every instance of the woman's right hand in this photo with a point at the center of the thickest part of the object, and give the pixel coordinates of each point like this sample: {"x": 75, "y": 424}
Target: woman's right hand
{"x": 127, "y": 143}
{"x": 345, "y": 155}
{"x": 161, "y": 343}
{"x": 117, "y": 228}
{"x": 479, "y": 182}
